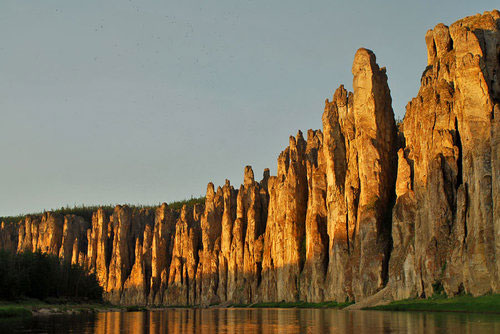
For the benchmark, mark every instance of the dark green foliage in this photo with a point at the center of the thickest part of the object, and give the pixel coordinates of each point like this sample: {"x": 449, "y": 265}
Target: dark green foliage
{"x": 86, "y": 211}
{"x": 177, "y": 205}
{"x": 438, "y": 289}
{"x": 12, "y": 219}
{"x": 483, "y": 304}
{"x": 135, "y": 308}
{"x": 330, "y": 304}
{"x": 14, "y": 312}
{"x": 42, "y": 276}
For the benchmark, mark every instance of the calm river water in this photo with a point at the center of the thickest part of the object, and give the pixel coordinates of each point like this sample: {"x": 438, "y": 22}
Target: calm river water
{"x": 241, "y": 321}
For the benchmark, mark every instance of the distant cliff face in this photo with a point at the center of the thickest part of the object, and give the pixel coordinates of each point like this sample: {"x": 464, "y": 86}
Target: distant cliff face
{"x": 356, "y": 210}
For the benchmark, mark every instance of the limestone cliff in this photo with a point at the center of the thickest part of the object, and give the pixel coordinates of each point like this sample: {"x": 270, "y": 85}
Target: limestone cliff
{"x": 360, "y": 152}
{"x": 161, "y": 252}
{"x": 446, "y": 225}
{"x": 284, "y": 240}
{"x": 358, "y": 209}
{"x": 181, "y": 288}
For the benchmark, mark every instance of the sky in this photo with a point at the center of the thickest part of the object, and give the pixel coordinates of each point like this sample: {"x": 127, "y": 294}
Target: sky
{"x": 143, "y": 102}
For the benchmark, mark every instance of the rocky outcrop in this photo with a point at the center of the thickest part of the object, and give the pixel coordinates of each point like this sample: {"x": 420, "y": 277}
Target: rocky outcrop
{"x": 360, "y": 142}
{"x": 74, "y": 240}
{"x": 9, "y": 235}
{"x": 316, "y": 231}
{"x": 161, "y": 252}
{"x": 100, "y": 243}
{"x": 28, "y": 234}
{"x": 376, "y": 145}
{"x": 284, "y": 240}
{"x": 181, "y": 289}
{"x": 252, "y": 209}
{"x": 49, "y": 233}
{"x": 232, "y": 241}
{"x": 136, "y": 287}
{"x": 227, "y": 256}
{"x": 207, "y": 274}
{"x": 45, "y": 233}
{"x": 446, "y": 225}
{"x": 121, "y": 256}
{"x": 358, "y": 211}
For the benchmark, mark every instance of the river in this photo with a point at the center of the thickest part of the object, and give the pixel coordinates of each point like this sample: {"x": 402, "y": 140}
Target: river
{"x": 240, "y": 321}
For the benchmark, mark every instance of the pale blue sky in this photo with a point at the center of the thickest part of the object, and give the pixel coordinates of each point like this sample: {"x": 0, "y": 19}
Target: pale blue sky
{"x": 147, "y": 101}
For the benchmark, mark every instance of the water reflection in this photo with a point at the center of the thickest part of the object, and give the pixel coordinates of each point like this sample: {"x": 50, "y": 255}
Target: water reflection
{"x": 240, "y": 321}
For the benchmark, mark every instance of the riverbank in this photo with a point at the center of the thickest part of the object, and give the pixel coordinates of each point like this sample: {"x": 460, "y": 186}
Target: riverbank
{"x": 469, "y": 304}
{"x": 34, "y": 307}
{"x": 330, "y": 304}
{"x": 39, "y": 308}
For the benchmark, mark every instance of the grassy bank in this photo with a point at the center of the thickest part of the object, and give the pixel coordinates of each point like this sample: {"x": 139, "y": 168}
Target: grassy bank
{"x": 482, "y": 304}
{"x": 10, "y": 311}
{"x": 331, "y": 304}
{"x": 30, "y": 307}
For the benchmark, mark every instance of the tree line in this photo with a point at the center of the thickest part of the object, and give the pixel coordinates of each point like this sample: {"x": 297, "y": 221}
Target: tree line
{"x": 42, "y": 276}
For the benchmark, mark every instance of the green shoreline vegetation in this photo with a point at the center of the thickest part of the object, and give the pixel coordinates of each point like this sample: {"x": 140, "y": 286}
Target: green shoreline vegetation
{"x": 440, "y": 303}
{"x": 330, "y": 304}
{"x": 32, "y": 281}
{"x": 12, "y": 311}
{"x": 42, "y": 276}
{"x": 29, "y": 307}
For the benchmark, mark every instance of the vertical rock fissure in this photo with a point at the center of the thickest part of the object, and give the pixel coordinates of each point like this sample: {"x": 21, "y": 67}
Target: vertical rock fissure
{"x": 458, "y": 143}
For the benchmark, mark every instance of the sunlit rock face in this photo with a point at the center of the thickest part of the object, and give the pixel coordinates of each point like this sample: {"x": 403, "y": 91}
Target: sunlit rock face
{"x": 27, "y": 234}
{"x": 360, "y": 143}
{"x": 100, "y": 243}
{"x": 316, "y": 236}
{"x": 181, "y": 288}
{"x": 253, "y": 209}
{"x": 161, "y": 252}
{"x": 74, "y": 240}
{"x": 284, "y": 239}
{"x": 50, "y": 232}
{"x": 130, "y": 265}
{"x": 227, "y": 257}
{"x": 232, "y": 242}
{"x": 446, "y": 221}
{"x": 376, "y": 146}
{"x": 135, "y": 288}
{"x": 357, "y": 210}
{"x": 207, "y": 273}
